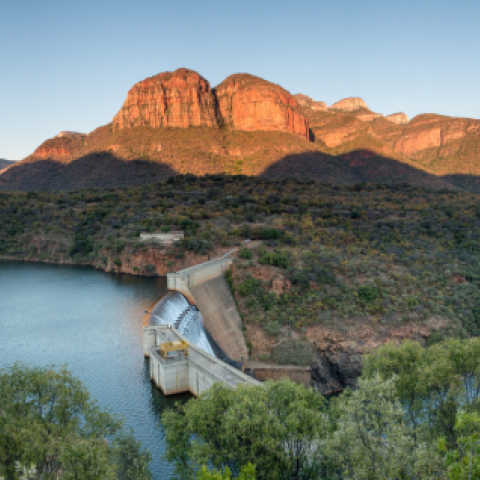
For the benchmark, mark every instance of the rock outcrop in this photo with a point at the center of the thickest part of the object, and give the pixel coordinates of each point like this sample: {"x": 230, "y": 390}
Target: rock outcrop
{"x": 182, "y": 98}
{"x": 349, "y": 104}
{"x": 368, "y": 117}
{"x": 250, "y": 103}
{"x": 398, "y": 118}
{"x": 306, "y": 101}
{"x": 415, "y": 140}
{"x": 55, "y": 153}
{"x": 339, "y": 356}
{"x": 70, "y": 135}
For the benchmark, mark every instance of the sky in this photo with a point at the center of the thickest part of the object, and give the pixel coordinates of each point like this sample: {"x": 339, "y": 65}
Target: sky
{"x": 68, "y": 65}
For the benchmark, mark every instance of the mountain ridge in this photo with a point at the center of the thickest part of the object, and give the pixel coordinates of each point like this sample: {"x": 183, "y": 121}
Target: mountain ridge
{"x": 176, "y": 123}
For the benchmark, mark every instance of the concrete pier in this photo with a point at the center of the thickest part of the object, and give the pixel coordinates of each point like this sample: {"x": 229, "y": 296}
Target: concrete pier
{"x": 205, "y": 286}
{"x": 194, "y": 373}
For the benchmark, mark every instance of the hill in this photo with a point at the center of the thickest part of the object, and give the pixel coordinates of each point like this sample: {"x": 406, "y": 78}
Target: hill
{"x": 175, "y": 123}
{"x": 5, "y": 163}
{"x": 329, "y": 272}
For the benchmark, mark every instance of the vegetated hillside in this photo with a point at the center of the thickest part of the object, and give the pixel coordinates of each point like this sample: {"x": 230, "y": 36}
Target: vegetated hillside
{"x": 143, "y": 155}
{"x": 447, "y": 147}
{"x": 323, "y": 274}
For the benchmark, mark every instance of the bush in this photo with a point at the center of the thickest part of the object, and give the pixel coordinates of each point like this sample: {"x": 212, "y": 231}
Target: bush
{"x": 273, "y": 258}
{"x": 248, "y": 286}
{"x": 368, "y": 293}
{"x": 272, "y": 328}
{"x": 117, "y": 262}
{"x": 245, "y": 253}
{"x": 300, "y": 278}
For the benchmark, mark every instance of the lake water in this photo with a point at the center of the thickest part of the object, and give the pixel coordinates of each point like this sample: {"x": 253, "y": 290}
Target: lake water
{"x": 92, "y": 322}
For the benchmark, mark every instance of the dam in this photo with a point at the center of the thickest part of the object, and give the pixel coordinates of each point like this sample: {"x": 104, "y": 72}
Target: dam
{"x": 190, "y": 370}
{"x": 198, "y": 296}
{"x": 205, "y": 287}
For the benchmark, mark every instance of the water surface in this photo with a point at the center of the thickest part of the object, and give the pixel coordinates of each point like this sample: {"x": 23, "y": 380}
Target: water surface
{"x": 92, "y": 322}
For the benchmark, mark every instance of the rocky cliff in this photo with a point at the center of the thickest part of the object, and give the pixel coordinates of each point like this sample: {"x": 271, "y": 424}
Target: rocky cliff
{"x": 349, "y": 104}
{"x": 245, "y": 126}
{"x": 250, "y": 103}
{"x": 182, "y": 98}
{"x": 398, "y": 118}
{"x": 306, "y": 101}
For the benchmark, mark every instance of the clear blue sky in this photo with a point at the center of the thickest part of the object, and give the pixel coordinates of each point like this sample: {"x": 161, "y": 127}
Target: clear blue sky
{"x": 68, "y": 65}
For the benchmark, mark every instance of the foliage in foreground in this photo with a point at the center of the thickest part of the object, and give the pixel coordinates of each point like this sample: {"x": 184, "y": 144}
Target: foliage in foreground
{"x": 415, "y": 415}
{"x": 49, "y": 421}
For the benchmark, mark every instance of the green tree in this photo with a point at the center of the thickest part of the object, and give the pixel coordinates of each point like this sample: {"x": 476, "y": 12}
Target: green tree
{"x": 371, "y": 440}
{"x": 247, "y": 473}
{"x": 48, "y": 419}
{"x": 433, "y": 384}
{"x": 464, "y": 462}
{"x": 272, "y": 425}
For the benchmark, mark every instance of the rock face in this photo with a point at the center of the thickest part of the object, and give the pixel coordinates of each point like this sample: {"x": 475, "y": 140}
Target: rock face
{"x": 349, "y": 104}
{"x": 368, "y": 117}
{"x": 415, "y": 140}
{"x": 70, "y": 135}
{"x": 55, "y": 153}
{"x": 250, "y": 103}
{"x": 182, "y": 98}
{"x": 306, "y": 101}
{"x": 398, "y": 118}
{"x": 338, "y": 356}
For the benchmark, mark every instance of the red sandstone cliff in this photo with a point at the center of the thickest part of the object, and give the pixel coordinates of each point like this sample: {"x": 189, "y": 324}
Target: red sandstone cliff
{"x": 398, "y": 118}
{"x": 306, "y": 101}
{"x": 250, "y": 103}
{"x": 182, "y": 98}
{"x": 349, "y": 104}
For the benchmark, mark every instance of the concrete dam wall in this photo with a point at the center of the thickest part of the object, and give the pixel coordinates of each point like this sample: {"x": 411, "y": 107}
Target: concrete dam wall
{"x": 205, "y": 286}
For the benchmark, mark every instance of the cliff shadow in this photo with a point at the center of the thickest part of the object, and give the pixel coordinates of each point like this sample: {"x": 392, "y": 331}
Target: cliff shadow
{"x": 354, "y": 167}
{"x": 100, "y": 169}
{"x": 467, "y": 182}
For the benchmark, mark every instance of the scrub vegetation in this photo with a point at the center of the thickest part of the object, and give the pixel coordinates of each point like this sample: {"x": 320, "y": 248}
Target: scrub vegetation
{"x": 327, "y": 255}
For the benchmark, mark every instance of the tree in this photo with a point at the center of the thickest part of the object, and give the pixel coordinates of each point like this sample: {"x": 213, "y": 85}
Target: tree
{"x": 48, "y": 419}
{"x": 247, "y": 473}
{"x": 464, "y": 462}
{"x": 433, "y": 384}
{"x": 371, "y": 440}
{"x": 273, "y": 426}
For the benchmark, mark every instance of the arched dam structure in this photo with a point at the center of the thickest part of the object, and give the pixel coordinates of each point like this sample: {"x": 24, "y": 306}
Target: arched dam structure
{"x": 193, "y": 371}
{"x": 173, "y": 309}
{"x": 205, "y": 288}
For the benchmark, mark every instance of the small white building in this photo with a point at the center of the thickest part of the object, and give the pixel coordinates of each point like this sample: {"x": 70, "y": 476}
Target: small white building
{"x": 163, "y": 238}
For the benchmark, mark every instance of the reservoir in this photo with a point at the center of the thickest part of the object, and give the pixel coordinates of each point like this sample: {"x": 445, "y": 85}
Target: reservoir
{"x": 92, "y": 322}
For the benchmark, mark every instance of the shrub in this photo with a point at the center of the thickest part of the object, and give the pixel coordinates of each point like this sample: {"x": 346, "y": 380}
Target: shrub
{"x": 300, "y": 278}
{"x": 273, "y": 258}
{"x": 245, "y": 253}
{"x": 248, "y": 286}
{"x": 272, "y": 328}
{"x": 117, "y": 262}
{"x": 368, "y": 293}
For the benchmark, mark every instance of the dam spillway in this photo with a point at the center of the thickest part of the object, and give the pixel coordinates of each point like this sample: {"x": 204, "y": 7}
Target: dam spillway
{"x": 174, "y": 309}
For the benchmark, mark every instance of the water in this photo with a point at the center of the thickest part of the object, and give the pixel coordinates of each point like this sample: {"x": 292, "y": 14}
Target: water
{"x": 92, "y": 322}
{"x": 174, "y": 309}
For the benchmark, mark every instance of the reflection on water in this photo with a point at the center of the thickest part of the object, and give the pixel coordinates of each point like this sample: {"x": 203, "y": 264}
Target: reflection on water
{"x": 92, "y": 322}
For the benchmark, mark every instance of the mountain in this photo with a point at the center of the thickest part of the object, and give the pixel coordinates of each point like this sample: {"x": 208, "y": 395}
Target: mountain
{"x": 176, "y": 123}
{"x": 5, "y": 163}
